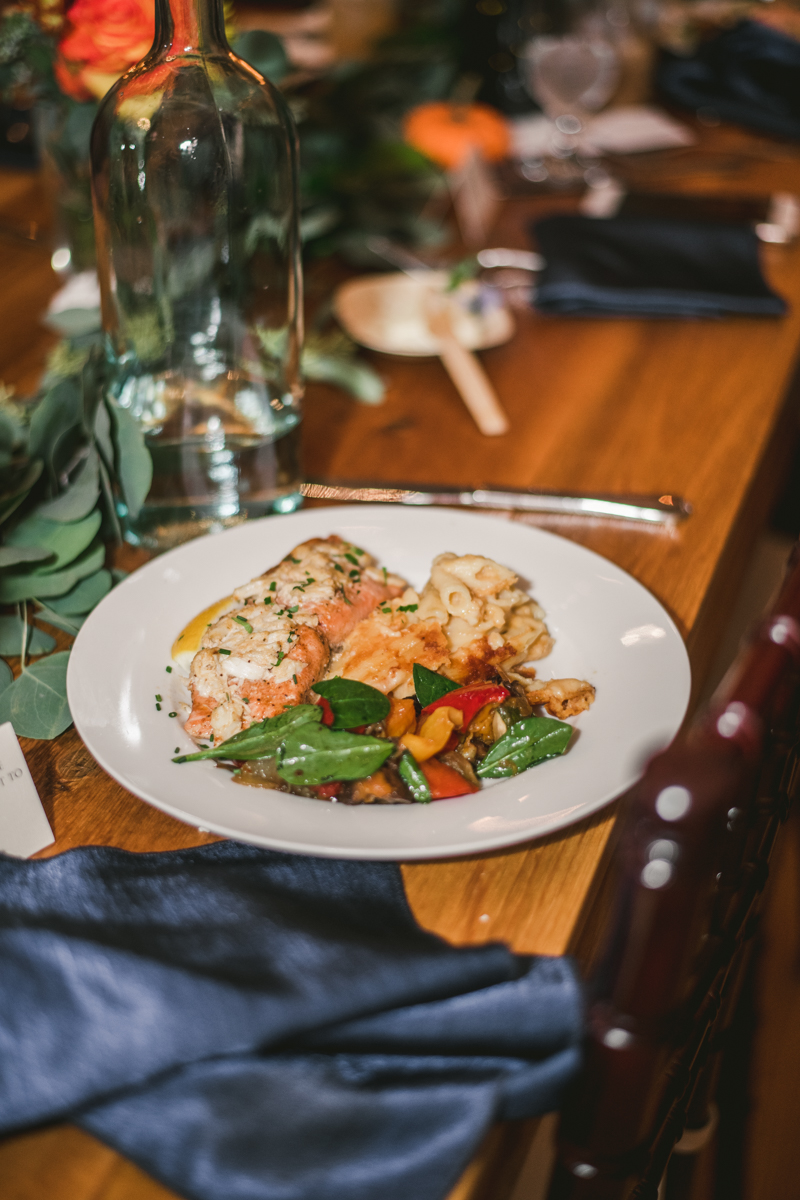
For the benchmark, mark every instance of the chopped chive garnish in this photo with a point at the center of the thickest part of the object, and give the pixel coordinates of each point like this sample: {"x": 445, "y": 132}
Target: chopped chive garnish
{"x": 246, "y": 624}
{"x": 158, "y": 708}
{"x": 337, "y": 567}
{"x": 384, "y": 574}
{"x": 290, "y": 559}
{"x": 299, "y": 587}
{"x": 354, "y": 574}
{"x": 268, "y": 600}
{"x": 294, "y": 679}
{"x": 169, "y": 670}
{"x": 173, "y": 714}
{"x": 280, "y": 658}
{"x": 222, "y": 650}
{"x": 246, "y": 699}
{"x": 177, "y": 749}
{"x": 352, "y": 559}
{"x": 273, "y": 586}
{"x": 346, "y": 600}
{"x": 387, "y": 611}
{"x": 157, "y": 696}
{"x": 408, "y": 608}
{"x": 293, "y": 609}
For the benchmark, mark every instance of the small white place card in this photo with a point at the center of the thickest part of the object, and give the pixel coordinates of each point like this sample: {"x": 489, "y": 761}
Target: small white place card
{"x": 24, "y": 828}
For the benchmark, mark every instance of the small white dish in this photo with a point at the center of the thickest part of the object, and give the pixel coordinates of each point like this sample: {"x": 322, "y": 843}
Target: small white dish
{"x": 391, "y": 313}
{"x": 608, "y": 629}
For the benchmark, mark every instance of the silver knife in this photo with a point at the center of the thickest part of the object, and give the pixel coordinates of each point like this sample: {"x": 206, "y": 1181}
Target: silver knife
{"x": 652, "y": 510}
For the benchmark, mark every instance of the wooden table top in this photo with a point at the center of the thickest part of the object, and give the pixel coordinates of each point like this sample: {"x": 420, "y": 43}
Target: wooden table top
{"x": 698, "y": 408}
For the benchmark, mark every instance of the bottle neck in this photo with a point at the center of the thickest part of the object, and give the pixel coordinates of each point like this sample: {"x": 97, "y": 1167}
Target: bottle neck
{"x": 190, "y": 26}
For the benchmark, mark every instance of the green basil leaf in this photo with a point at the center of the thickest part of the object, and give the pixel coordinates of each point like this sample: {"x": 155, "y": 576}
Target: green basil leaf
{"x": 353, "y": 703}
{"x": 84, "y": 596}
{"x": 431, "y": 686}
{"x": 12, "y": 556}
{"x": 64, "y": 541}
{"x": 134, "y": 464}
{"x": 36, "y": 703}
{"x": 39, "y": 642}
{"x": 80, "y": 497}
{"x": 529, "y": 741}
{"x": 412, "y": 776}
{"x": 17, "y": 586}
{"x": 263, "y": 738}
{"x": 6, "y": 676}
{"x": 316, "y": 754}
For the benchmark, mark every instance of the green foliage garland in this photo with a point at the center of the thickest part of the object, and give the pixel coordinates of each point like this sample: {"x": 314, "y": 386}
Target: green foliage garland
{"x": 70, "y": 460}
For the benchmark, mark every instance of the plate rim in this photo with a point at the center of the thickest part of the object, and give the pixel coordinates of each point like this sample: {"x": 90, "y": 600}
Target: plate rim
{"x": 550, "y": 823}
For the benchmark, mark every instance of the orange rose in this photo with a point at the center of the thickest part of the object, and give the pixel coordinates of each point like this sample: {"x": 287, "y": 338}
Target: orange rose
{"x": 105, "y": 38}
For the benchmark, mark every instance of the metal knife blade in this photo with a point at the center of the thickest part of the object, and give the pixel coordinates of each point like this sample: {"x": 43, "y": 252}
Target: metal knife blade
{"x": 652, "y": 510}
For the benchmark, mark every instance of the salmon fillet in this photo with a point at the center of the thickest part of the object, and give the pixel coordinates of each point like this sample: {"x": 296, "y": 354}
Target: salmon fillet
{"x": 265, "y": 655}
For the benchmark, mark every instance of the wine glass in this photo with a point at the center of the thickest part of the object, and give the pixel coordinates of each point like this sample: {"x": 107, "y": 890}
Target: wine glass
{"x": 571, "y": 72}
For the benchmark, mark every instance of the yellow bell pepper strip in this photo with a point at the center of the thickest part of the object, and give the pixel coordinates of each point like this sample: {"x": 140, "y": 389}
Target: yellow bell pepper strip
{"x": 402, "y": 717}
{"x": 433, "y": 733}
{"x": 469, "y": 700}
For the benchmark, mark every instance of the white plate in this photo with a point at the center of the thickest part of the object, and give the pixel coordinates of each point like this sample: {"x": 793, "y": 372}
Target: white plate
{"x": 608, "y": 629}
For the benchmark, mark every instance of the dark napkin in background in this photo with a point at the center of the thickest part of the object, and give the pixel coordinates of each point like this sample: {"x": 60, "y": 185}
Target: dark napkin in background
{"x": 651, "y": 267}
{"x": 261, "y": 1026}
{"x": 749, "y": 75}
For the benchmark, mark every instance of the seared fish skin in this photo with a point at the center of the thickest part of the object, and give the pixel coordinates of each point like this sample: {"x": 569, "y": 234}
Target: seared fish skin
{"x": 263, "y": 657}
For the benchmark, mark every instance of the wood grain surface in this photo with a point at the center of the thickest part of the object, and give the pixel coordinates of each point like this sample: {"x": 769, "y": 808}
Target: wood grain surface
{"x": 701, "y": 408}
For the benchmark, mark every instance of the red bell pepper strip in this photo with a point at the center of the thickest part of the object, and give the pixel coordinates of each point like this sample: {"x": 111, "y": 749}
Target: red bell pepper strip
{"x": 444, "y": 781}
{"x": 327, "y": 711}
{"x": 326, "y": 791}
{"x": 469, "y": 700}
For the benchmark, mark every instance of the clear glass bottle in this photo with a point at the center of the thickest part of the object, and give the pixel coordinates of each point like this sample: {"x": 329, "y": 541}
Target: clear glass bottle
{"x": 194, "y": 177}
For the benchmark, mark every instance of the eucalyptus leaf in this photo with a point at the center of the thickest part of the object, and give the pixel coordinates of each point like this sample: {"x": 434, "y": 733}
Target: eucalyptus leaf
{"x": 69, "y": 624}
{"x": 39, "y": 642}
{"x": 11, "y": 556}
{"x": 530, "y": 741}
{"x": 58, "y": 411}
{"x": 134, "y": 464}
{"x": 80, "y": 497}
{"x": 16, "y": 587}
{"x": 262, "y": 739}
{"x": 64, "y": 540}
{"x": 6, "y": 676}
{"x": 36, "y": 703}
{"x": 84, "y": 596}
{"x": 19, "y": 489}
{"x": 355, "y": 377}
{"x": 430, "y": 686}
{"x": 353, "y": 703}
{"x": 315, "y": 754}
{"x": 102, "y": 435}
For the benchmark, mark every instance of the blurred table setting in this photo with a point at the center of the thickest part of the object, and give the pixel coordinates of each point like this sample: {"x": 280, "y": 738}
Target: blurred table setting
{"x": 547, "y": 250}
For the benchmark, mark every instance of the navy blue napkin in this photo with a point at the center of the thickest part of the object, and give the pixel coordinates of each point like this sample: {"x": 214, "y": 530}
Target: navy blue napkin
{"x": 651, "y": 267}
{"x": 260, "y": 1026}
{"x": 747, "y": 74}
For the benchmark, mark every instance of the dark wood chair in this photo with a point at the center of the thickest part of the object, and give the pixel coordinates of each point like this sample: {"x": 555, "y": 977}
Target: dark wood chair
{"x": 694, "y": 842}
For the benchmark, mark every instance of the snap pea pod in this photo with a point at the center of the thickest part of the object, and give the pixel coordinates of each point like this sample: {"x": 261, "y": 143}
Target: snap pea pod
{"x": 409, "y": 771}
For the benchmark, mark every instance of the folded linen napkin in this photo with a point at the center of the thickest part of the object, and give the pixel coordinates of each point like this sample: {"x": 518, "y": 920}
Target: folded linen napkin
{"x": 651, "y": 267}
{"x": 261, "y": 1026}
{"x": 747, "y": 74}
